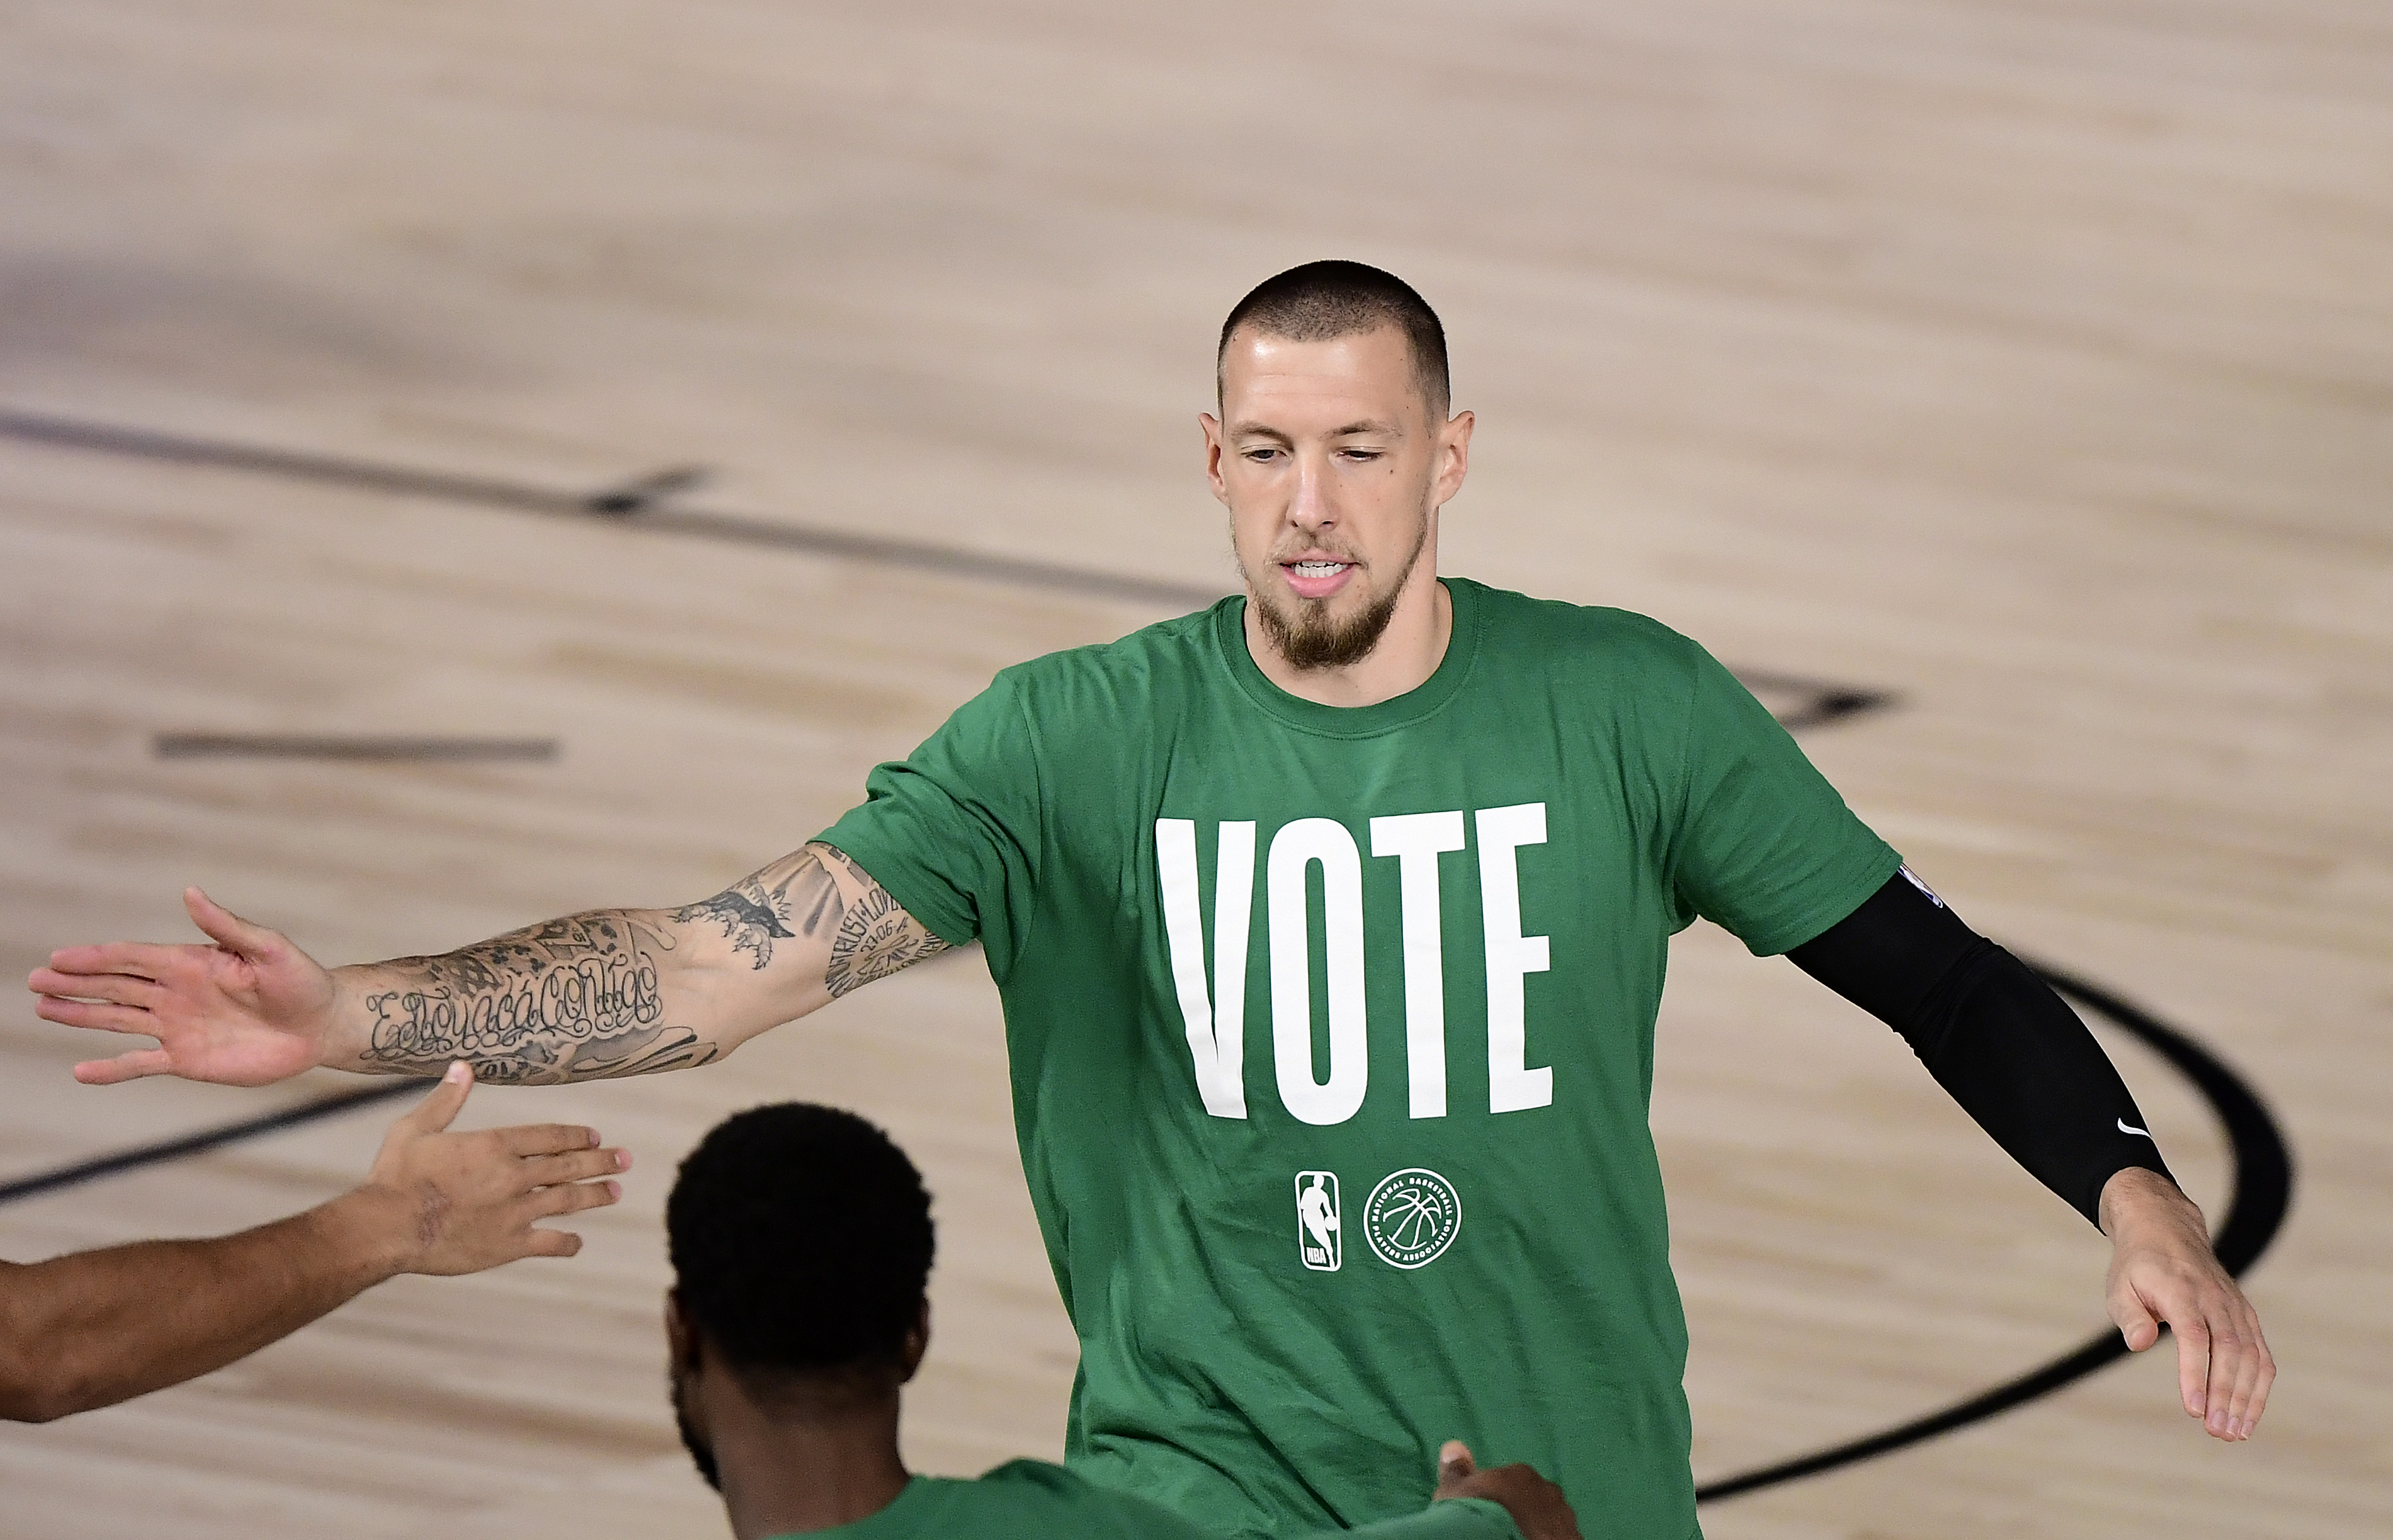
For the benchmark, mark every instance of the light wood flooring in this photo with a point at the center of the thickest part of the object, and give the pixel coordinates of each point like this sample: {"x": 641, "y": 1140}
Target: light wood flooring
{"x": 2033, "y": 362}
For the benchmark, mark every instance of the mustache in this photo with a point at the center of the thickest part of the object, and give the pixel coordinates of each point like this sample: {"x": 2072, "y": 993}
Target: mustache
{"x": 1289, "y": 553}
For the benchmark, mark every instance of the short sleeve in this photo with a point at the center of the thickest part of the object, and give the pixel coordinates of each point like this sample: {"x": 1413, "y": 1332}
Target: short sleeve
{"x": 954, "y": 830}
{"x": 1765, "y": 847}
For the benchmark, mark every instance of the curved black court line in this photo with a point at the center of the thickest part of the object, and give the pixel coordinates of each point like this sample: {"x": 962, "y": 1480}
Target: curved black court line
{"x": 639, "y": 503}
{"x": 206, "y": 1139}
{"x": 371, "y": 747}
{"x": 2261, "y": 1174}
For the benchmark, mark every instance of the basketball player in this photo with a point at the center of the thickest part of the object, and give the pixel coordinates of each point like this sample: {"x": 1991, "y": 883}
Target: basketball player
{"x": 801, "y": 1241}
{"x": 98, "y": 1328}
{"x": 1360, "y": 883}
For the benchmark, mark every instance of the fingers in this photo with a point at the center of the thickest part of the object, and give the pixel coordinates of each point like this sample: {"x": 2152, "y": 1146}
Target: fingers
{"x": 132, "y": 990}
{"x": 552, "y": 1242}
{"x": 97, "y": 1015}
{"x": 223, "y": 927}
{"x": 2241, "y": 1370}
{"x": 138, "y": 1064}
{"x": 577, "y": 1166}
{"x": 2252, "y": 1387}
{"x": 2193, "y": 1366}
{"x": 1453, "y": 1467}
{"x": 139, "y": 958}
{"x": 540, "y": 1138}
{"x": 549, "y": 1202}
{"x": 439, "y": 1110}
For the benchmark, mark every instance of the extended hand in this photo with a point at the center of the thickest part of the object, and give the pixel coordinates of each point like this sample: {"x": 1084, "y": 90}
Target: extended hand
{"x": 461, "y": 1202}
{"x": 2163, "y": 1270}
{"x": 249, "y": 1011}
{"x": 1535, "y": 1503}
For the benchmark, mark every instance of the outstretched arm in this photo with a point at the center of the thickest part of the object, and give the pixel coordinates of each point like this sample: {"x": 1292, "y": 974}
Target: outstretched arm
{"x": 2020, "y": 1063}
{"x": 606, "y": 993}
{"x": 98, "y": 1328}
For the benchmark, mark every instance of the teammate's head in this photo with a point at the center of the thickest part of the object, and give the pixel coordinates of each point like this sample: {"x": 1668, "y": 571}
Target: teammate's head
{"x": 800, "y": 1245}
{"x": 1333, "y": 452}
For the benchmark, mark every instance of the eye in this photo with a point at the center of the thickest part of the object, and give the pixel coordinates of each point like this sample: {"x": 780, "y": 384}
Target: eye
{"x": 1257, "y": 456}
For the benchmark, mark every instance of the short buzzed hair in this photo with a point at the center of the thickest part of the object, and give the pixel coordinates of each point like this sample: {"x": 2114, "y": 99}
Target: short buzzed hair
{"x": 1324, "y": 300}
{"x": 800, "y": 1240}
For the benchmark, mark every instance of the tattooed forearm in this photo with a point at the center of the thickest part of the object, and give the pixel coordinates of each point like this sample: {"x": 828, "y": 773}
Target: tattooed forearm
{"x": 573, "y": 999}
{"x": 585, "y": 997}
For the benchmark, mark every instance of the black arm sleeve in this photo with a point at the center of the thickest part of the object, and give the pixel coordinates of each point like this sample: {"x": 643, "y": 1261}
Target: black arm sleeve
{"x": 1992, "y": 1034}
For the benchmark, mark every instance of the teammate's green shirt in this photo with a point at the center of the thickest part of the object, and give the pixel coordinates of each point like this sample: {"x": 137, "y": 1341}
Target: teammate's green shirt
{"x": 1333, "y": 1036}
{"x": 1033, "y": 1500}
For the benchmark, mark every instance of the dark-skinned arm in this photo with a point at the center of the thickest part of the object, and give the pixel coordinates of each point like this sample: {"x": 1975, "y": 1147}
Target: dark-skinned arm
{"x": 96, "y": 1327}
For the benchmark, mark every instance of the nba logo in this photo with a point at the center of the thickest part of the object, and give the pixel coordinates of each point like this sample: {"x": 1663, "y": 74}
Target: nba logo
{"x": 1317, "y": 1236}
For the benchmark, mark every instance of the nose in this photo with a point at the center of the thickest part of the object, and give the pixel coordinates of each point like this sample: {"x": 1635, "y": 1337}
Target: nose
{"x": 1309, "y": 508}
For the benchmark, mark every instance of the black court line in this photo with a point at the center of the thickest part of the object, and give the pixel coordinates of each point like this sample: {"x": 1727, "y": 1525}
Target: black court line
{"x": 636, "y": 504}
{"x": 2262, "y": 1161}
{"x": 640, "y": 504}
{"x": 2262, "y": 1192}
{"x": 349, "y": 747}
{"x": 206, "y": 1139}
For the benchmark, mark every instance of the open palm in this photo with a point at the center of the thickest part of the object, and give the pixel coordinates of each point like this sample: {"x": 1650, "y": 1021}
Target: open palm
{"x": 248, "y": 1011}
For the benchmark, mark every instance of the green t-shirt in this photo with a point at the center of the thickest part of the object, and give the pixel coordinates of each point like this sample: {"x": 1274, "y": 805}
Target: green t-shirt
{"x": 1033, "y": 1500}
{"x": 1333, "y": 1036}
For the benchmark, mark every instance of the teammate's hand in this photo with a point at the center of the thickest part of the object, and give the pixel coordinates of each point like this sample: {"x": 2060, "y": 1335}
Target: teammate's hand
{"x": 249, "y": 1011}
{"x": 450, "y": 1202}
{"x": 2163, "y": 1270}
{"x": 1535, "y": 1503}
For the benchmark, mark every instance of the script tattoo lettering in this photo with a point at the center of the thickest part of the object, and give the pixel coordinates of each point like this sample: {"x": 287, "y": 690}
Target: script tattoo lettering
{"x": 876, "y": 938}
{"x": 570, "y": 1000}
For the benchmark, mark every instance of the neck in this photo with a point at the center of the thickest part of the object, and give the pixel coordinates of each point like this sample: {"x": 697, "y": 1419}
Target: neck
{"x": 796, "y": 1475}
{"x": 1408, "y": 651}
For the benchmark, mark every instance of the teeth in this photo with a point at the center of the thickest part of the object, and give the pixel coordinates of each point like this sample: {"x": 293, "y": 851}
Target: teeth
{"x": 1319, "y": 569}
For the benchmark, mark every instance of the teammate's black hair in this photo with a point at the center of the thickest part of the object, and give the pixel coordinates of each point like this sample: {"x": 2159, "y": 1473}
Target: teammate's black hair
{"x": 800, "y": 1240}
{"x": 1322, "y": 300}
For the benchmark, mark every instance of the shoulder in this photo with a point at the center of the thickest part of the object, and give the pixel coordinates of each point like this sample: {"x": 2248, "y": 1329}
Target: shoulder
{"x": 1582, "y": 637}
{"x": 1139, "y": 677}
{"x": 1043, "y": 1487}
{"x": 1149, "y": 653}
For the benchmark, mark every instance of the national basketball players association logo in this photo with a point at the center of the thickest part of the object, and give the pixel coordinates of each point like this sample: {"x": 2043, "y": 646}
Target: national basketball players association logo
{"x": 1320, "y": 1244}
{"x": 1412, "y": 1216}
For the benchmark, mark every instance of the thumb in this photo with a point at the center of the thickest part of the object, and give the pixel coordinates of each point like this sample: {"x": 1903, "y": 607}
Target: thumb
{"x": 2139, "y": 1325}
{"x": 223, "y": 927}
{"x": 1454, "y": 1461}
{"x": 439, "y": 1110}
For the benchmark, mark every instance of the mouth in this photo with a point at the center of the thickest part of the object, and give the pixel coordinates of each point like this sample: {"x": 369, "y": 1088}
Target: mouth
{"x": 1316, "y": 576}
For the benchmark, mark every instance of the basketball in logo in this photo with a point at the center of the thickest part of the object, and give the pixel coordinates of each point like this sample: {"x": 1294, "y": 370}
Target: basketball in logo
{"x": 1412, "y": 1216}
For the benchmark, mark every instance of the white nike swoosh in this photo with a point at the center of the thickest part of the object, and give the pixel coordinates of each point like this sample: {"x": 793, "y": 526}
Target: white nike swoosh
{"x": 2146, "y": 1132}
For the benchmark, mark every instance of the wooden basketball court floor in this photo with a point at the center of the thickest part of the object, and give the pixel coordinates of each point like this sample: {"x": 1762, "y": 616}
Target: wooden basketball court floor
{"x": 2031, "y": 363}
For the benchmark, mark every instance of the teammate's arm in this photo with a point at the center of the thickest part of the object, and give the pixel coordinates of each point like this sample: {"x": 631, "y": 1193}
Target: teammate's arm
{"x": 2018, "y": 1060}
{"x": 96, "y": 1327}
{"x": 606, "y": 993}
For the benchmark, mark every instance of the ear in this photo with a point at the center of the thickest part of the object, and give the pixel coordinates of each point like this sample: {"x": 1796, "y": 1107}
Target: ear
{"x": 1212, "y": 428}
{"x": 681, "y": 1342}
{"x": 918, "y": 1342}
{"x": 1453, "y": 457}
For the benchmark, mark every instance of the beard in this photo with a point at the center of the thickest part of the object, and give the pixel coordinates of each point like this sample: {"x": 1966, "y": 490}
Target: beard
{"x": 701, "y": 1453}
{"x": 1306, "y": 635}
